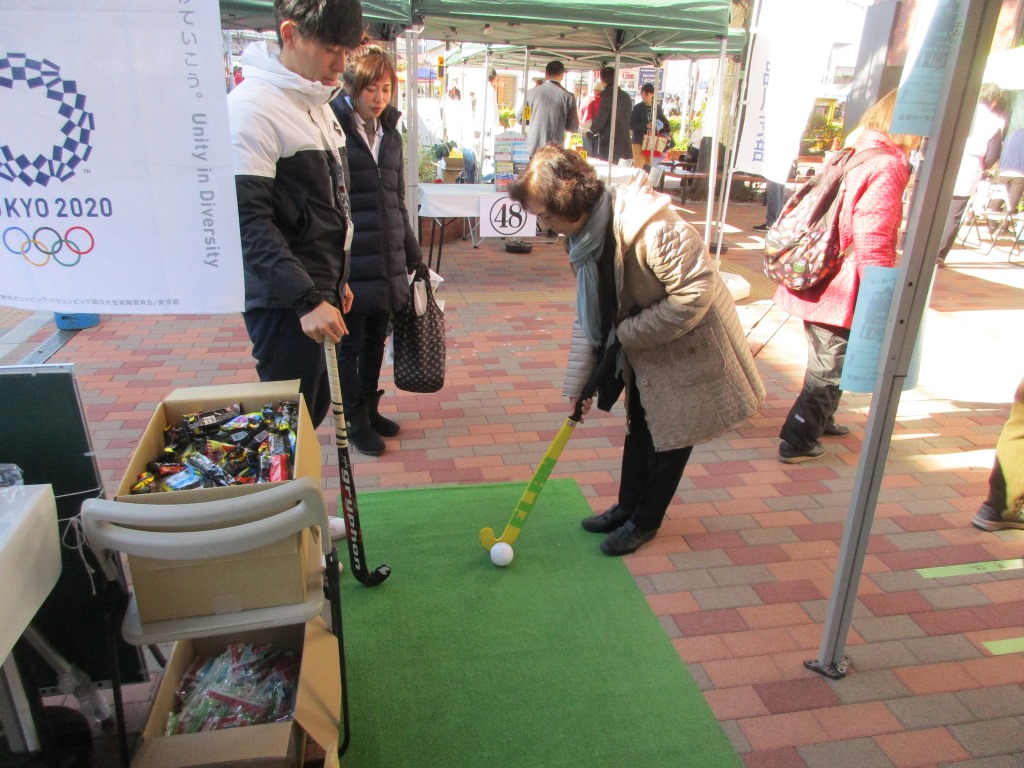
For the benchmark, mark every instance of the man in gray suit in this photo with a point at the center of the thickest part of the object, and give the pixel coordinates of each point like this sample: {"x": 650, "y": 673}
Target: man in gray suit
{"x": 549, "y": 110}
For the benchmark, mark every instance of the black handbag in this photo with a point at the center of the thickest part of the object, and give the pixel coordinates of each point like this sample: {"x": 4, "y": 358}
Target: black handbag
{"x": 419, "y": 340}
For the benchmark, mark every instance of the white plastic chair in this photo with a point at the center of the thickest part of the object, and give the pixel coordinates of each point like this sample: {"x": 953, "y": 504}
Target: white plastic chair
{"x": 230, "y": 527}
{"x": 982, "y": 216}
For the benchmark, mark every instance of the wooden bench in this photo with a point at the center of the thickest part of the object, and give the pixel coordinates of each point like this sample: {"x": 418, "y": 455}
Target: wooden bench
{"x": 688, "y": 179}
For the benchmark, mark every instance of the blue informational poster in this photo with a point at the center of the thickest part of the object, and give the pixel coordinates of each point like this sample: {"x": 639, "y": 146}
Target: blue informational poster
{"x": 937, "y": 32}
{"x": 870, "y": 317}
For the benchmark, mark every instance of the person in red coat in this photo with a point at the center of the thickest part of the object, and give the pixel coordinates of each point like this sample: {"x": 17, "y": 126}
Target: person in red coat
{"x": 869, "y": 222}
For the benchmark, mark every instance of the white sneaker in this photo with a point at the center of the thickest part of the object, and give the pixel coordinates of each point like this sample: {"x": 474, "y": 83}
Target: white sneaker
{"x": 338, "y": 530}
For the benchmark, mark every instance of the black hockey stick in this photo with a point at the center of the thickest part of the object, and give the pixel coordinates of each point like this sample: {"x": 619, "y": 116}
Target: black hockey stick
{"x": 357, "y": 555}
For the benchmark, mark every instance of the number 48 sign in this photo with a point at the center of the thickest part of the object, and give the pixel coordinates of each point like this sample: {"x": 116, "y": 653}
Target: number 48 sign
{"x": 501, "y": 216}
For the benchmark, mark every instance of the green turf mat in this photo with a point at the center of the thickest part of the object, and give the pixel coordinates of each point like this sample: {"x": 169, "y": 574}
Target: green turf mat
{"x": 555, "y": 660}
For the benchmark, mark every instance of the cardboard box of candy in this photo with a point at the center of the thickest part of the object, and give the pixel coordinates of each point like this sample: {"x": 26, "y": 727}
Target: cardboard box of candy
{"x": 208, "y": 443}
{"x": 316, "y": 704}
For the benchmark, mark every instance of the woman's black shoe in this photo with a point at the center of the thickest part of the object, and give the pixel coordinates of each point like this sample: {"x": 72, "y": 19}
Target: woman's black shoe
{"x": 626, "y": 539}
{"x": 381, "y": 425}
{"x": 607, "y": 522}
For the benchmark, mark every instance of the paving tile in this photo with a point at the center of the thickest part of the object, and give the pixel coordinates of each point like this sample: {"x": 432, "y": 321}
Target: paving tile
{"x": 944, "y": 598}
{"x": 994, "y": 702}
{"x": 854, "y": 721}
{"x": 990, "y": 737}
{"x": 787, "y": 757}
{"x": 783, "y": 730}
{"x": 937, "y": 678}
{"x": 995, "y": 670}
{"x": 741, "y": 575}
{"x": 758, "y": 642}
{"x": 787, "y": 592}
{"x": 778, "y": 615}
{"x": 888, "y": 654}
{"x": 897, "y": 604}
{"x": 730, "y": 673}
{"x": 921, "y": 748}
{"x": 878, "y": 685}
{"x": 726, "y": 597}
{"x": 736, "y": 737}
{"x": 710, "y": 622}
{"x": 854, "y": 753}
{"x": 930, "y": 711}
{"x": 701, "y": 648}
{"x": 681, "y": 581}
{"x": 1015, "y": 760}
{"x": 796, "y": 695}
{"x": 735, "y": 703}
{"x": 887, "y": 628}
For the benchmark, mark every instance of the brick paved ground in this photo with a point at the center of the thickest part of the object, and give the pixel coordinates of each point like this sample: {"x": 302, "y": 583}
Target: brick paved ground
{"x": 741, "y": 572}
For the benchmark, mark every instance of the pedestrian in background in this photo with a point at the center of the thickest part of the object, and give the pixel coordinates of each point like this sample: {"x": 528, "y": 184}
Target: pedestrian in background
{"x": 549, "y": 111}
{"x": 640, "y": 124}
{"x": 984, "y": 144}
{"x": 869, "y": 220}
{"x": 602, "y": 125}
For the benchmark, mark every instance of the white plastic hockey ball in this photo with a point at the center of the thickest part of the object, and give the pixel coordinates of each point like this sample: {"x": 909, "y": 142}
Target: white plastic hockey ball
{"x": 501, "y": 554}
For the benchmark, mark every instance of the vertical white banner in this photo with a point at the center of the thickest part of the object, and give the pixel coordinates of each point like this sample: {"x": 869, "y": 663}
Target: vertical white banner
{"x": 787, "y": 65}
{"x": 116, "y": 188}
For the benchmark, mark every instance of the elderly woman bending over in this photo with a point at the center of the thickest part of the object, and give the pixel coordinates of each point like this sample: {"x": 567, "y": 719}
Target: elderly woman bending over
{"x": 644, "y": 277}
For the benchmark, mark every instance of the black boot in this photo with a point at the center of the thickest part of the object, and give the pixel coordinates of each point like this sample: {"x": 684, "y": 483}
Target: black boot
{"x": 360, "y": 433}
{"x": 607, "y": 522}
{"x": 381, "y": 425}
{"x": 626, "y": 539}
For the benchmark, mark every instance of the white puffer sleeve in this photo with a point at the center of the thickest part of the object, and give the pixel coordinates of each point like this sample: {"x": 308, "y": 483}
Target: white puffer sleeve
{"x": 582, "y": 360}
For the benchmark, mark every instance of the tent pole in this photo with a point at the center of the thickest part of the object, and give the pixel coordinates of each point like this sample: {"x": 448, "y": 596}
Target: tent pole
{"x": 615, "y": 109}
{"x": 412, "y": 162}
{"x": 723, "y": 204}
{"x": 483, "y": 122}
{"x": 741, "y": 112}
{"x": 964, "y": 65}
{"x": 713, "y": 167}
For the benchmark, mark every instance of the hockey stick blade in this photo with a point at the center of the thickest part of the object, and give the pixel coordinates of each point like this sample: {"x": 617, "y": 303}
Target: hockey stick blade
{"x": 350, "y": 506}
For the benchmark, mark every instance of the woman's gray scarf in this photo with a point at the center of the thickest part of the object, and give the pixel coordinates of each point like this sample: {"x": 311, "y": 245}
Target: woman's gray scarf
{"x": 584, "y": 252}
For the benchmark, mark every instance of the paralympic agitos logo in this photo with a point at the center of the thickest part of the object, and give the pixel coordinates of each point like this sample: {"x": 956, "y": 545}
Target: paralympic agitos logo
{"x": 60, "y": 161}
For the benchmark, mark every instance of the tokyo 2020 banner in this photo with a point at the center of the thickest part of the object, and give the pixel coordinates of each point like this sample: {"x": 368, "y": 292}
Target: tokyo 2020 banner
{"x": 116, "y": 188}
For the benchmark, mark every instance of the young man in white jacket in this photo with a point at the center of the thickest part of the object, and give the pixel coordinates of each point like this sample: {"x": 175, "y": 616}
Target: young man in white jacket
{"x": 288, "y": 153}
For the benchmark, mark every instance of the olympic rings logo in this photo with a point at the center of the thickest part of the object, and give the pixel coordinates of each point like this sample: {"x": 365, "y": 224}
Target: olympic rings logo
{"x": 77, "y": 240}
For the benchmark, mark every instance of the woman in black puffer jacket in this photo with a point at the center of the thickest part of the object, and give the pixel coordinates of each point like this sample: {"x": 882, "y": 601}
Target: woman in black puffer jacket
{"x": 384, "y": 249}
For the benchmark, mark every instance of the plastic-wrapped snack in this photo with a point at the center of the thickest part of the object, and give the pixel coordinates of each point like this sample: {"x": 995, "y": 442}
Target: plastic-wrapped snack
{"x": 146, "y": 483}
{"x": 176, "y": 437}
{"x": 244, "y": 685}
{"x": 279, "y": 468}
{"x": 185, "y": 480}
{"x": 209, "y": 421}
{"x": 163, "y": 466}
{"x": 286, "y": 413}
{"x": 214, "y": 473}
{"x": 10, "y": 475}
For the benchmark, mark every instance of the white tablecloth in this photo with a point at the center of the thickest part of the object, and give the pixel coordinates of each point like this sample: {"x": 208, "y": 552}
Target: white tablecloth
{"x": 29, "y": 557}
{"x": 444, "y": 201}
{"x": 620, "y": 174}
